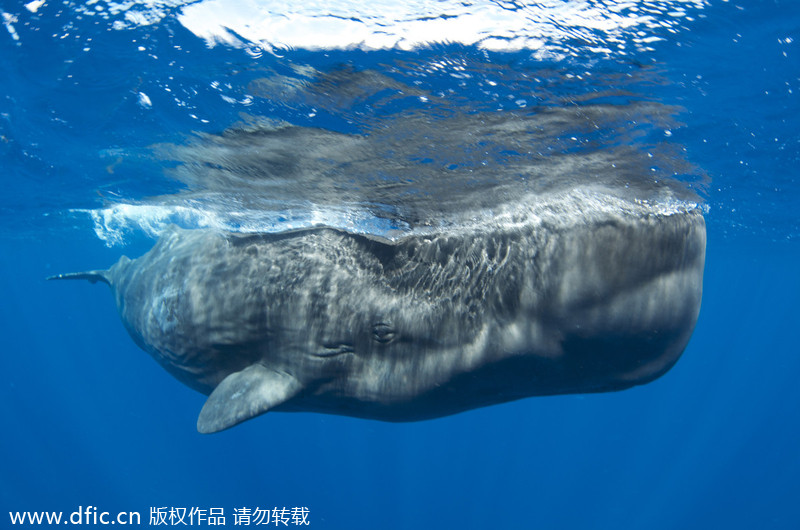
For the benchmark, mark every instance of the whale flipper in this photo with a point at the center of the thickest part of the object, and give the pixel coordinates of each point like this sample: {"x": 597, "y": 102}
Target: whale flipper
{"x": 92, "y": 276}
{"x": 244, "y": 395}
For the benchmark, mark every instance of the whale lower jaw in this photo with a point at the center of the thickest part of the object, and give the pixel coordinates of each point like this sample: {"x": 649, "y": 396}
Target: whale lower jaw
{"x": 513, "y": 378}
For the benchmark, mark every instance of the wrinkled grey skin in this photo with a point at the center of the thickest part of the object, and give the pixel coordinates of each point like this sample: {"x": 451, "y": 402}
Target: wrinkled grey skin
{"x": 327, "y": 321}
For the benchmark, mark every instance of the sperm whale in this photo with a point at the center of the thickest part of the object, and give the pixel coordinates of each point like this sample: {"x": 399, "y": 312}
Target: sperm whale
{"x": 586, "y": 293}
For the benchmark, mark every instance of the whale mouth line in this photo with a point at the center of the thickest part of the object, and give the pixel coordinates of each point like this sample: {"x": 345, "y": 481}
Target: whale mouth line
{"x": 335, "y": 350}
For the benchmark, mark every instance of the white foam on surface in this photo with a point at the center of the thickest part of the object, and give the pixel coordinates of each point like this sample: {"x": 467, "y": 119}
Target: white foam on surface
{"x": 114, "y": 223}
{"x": 553, "y": 28}
{"x": 605, "y": 27}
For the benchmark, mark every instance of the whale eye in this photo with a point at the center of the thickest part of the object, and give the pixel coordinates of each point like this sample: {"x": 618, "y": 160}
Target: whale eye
{"x": 383, "y": 332}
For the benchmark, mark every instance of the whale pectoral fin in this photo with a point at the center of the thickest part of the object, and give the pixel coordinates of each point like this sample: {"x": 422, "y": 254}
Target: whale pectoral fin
{"x": 244, "y": 395}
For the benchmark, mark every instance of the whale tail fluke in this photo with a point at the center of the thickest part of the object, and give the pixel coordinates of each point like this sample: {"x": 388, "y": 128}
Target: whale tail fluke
{"x": 92, "y": 276}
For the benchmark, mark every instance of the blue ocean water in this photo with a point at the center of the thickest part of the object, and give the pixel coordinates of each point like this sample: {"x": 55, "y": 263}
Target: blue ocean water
{"x": 710, "y": 89}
